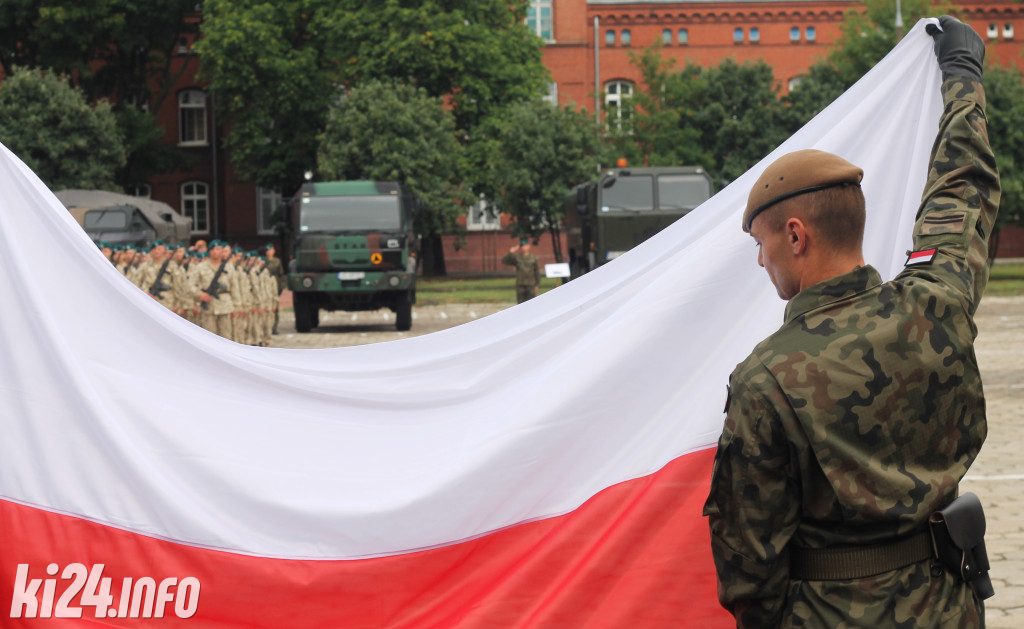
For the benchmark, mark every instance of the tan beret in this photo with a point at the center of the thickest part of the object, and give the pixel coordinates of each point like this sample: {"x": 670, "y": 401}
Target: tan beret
{"x": 798, "y": 173}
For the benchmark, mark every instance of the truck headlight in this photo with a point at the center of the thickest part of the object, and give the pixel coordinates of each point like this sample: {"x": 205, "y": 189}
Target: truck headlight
{"x": 394, "y": 281}
{"x": 307, "y": 282}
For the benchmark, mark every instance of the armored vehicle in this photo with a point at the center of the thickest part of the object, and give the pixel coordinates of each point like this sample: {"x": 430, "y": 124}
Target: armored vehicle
{"x": 624, "y": 207}
{"x": 354, "y": 249}
{"x": 123, "y": 219}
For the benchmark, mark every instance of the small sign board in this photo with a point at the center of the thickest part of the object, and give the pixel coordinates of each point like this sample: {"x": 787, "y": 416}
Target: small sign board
{"x": 556, "y": 270}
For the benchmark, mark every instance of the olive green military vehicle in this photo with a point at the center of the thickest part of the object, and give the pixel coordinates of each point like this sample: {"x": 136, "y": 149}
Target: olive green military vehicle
{"x": 122, "y": 219}
{"x": 354, "y": 249}
{"x": 624, "y": 207}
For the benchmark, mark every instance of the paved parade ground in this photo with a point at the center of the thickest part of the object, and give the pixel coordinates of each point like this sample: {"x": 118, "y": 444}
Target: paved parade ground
{"x": 997, "y": 476}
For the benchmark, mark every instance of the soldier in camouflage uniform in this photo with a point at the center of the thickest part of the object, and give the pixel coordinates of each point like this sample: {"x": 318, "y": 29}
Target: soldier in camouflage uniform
{"x": 527, "y": 270}
{"x": 855, "y": 421}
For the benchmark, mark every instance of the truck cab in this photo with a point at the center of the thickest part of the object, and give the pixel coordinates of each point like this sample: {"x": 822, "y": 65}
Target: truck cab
{"x": 626, "y": 206}
{"x": 354, "y": 249}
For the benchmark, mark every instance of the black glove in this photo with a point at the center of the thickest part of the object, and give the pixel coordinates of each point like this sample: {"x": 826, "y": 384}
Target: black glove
{"x": 958, "y": 48}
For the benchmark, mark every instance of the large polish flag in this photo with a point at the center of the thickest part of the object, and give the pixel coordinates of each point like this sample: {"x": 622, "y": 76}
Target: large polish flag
{"x": 542, "y": 467}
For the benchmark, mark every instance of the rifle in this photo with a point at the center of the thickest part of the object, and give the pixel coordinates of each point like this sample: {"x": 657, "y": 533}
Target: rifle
{"x": 157, "y": 288}
{"x": 215, "y": 287}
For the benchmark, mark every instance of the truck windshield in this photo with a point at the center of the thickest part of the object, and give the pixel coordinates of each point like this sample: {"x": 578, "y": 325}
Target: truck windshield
{"x": 682, "y": 192}
{"x": 106, "y": 219}
{"x": 358, "y": 213}
{"x": 629, "y": 192}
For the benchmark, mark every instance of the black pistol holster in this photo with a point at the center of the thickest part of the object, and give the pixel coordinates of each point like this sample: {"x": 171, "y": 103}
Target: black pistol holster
{"x": 958, "y": 538}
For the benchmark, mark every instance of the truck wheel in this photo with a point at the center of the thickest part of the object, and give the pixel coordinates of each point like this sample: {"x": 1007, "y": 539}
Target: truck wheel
{"x": 403, "y": 313}
{"x": 303, "y": 314}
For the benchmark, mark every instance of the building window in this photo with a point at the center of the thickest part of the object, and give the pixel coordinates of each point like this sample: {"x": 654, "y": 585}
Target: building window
{"x": 1007, "y": 31}
{"x": 811, "y": 34}
{"x": 195, "y": 204}
{"x": 483, "y": 216}
{"x": 268, "y": 201}
{"x": 616, "y": 93}
{"x": 192, "y": 117}
{"x": 551, "y": 94}
{"x": 794, "y": 82}
{"x": 627, "y": 38}
{"x": 666, "y": 37}
{"x": 755, "y": 35}
{"x": 737, "y": 36}
{"x": 683, "y": 37}
{"x": 993, "y": 31}
{"x": 183, "y": 45}
{"x": 143, "y": 190}
{"x": 609, "y": 38}
{"x": 538, "y": 18}
{"x": 794, "y": 34}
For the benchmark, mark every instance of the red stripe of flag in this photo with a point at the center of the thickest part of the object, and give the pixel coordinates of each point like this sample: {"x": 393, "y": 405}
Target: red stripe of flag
{"x": 635, "y": 555}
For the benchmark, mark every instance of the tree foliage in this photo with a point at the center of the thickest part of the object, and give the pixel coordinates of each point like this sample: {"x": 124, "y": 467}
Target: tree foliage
{"x": 396, "y": 132}
{"x": 722, "y": 118}
{"x": 117, "y": 50}
{"x": 1004, "y": 91}
{"x": 55, "y": 131}
{"x": 534, "y": 154}
{"x": 276, "y": 68}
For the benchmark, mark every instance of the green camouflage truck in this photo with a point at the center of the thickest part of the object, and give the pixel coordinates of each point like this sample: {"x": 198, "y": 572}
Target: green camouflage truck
{"x": 624, "y": 207}
{"x": 353, "y": 249}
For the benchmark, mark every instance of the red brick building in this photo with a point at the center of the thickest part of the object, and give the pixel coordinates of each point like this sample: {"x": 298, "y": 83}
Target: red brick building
{"x": 588, "y": 46}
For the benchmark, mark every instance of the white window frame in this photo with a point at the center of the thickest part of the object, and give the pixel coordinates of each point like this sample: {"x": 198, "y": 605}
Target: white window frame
{"x": 1007, "y": 31}
{"x": 683, "y": 37}
{"x": 610, "y": 37}
{"x": 794, "y": 34}
{"x": 551, "y": 94}
{"x": 993, "y": 31}
{"x": 755, "y": 35}
{"x": 268, "y": 200}
{"x": 626, "y": 37}
{"x": 614, "y": 99}
{"x": 195, "y": 204}
{"x": 192, "y": 118}
{"x": 541, "y": 24}
{"x": 666, "y": 37}
{"x": 483, "y": 216}
{"x": 811, "y": 34}
{"x": 738, "y": 35}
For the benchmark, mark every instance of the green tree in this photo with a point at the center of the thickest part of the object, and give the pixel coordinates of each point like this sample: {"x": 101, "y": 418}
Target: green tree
{"x": 277, "y": 67}
{"x": 117, "y": 50}
{"x": 868, "y": 35}
{"x": 535, "y": 153}
{"x": 54, "y": 130}
{"x": 396, "y": 132}
{"x": 1004, "y": 91}
{"x": 722, "y": 118}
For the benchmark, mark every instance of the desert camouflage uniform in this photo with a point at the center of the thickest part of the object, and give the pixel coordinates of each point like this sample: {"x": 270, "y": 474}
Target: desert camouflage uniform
{"x": 857, "y": 419}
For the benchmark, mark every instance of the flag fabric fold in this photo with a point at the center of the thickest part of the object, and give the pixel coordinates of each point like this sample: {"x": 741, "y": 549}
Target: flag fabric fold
{"x": 543, "y": 466}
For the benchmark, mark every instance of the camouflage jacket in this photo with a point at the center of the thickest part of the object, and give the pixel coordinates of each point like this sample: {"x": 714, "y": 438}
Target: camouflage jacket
{"x": 857, "y": 419}
{"x": 527, "y": 269}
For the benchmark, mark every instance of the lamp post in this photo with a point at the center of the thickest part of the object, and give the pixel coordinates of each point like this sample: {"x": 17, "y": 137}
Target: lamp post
{"x": 899, "y": 17}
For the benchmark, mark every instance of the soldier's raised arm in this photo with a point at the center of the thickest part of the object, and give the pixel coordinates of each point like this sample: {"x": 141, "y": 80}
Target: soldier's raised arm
{"x": 960, "y": 201}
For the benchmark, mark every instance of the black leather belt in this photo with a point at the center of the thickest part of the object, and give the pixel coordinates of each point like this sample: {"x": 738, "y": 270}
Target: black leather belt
{"x": 858, "y": 562}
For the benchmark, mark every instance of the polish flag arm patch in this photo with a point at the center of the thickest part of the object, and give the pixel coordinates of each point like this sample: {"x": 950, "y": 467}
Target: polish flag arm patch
{"x": 925, "y": 256}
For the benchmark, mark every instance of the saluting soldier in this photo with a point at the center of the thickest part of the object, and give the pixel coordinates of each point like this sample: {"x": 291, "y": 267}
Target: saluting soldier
{"x": 527, "y": 270}
{"x": 849, "y": 428}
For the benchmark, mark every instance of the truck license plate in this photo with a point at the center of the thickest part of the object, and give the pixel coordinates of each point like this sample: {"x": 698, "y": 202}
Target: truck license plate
{"x": 351, "y": 275}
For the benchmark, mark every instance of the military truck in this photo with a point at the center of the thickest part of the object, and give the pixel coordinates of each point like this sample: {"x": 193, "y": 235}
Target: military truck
{"x": 624, "y": 207}
{"x": 123, "y": 219}
{"x": 353, "y": 249}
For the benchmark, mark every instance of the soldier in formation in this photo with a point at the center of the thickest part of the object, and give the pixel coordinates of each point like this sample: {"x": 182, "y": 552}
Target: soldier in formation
{"x": 225, "y": 290}
{"x": 834, "y": 494}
